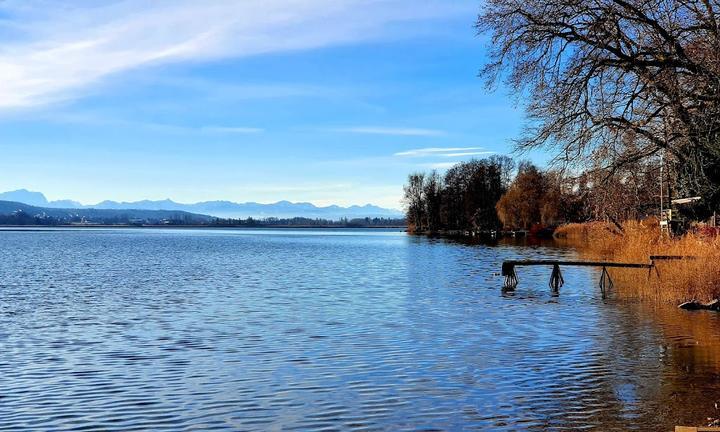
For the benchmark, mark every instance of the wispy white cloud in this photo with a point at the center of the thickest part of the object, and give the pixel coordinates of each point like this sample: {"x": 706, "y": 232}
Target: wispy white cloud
{"x": 232, "y": 129}
{"x": 318, "y": 193}
{"x": 440, "y": 165}
{"x": 216, "y": 91}
{"x": 292, "y": 188}
{"x": 59, "y": 48}
{"x": 463, "y": 154}
{"x": 102, "y": 120}
{"x": 99, "y": 120}
{"x": 444, "y": 152}
{"x": 400, "y": 131}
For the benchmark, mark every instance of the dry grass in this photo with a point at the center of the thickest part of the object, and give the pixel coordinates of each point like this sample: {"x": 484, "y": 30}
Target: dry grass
{"x": 674, "y": 281}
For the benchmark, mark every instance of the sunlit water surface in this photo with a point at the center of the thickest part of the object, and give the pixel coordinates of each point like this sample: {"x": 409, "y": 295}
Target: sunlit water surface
{"x": 143, "y": 329}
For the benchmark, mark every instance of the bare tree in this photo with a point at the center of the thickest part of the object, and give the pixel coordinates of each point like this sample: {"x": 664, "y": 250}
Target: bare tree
{"x": 414, "y": 200}
{"x": 462, "y": 200}
{"x": 614, "y": 82}
{"x": 432, "y": 191}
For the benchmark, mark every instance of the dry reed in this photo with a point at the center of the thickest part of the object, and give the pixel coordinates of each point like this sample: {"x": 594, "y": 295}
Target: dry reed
{"x": 672, "y": 280}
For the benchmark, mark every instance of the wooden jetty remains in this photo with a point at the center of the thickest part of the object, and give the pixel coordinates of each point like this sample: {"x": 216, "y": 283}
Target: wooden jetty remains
{"x": 556, "y": 278}
{"x": 697, "y": 429}
{"x": 654, "y": 258}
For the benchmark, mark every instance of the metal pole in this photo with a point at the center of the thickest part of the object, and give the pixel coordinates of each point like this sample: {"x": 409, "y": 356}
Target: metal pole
{"x": 661, "y": 184}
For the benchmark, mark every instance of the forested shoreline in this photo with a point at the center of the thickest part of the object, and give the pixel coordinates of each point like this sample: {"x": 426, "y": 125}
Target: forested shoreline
{"x": 22, "y": 218}
{"x": 271, "y": 222}
{"x": 496, "y": 193}
{"x": 462, "y": 199}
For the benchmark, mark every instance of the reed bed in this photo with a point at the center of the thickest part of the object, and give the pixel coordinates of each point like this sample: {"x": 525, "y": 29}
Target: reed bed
{"x": 673, "y": 281}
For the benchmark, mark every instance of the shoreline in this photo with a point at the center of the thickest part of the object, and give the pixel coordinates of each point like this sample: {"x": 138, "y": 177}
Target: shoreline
{"x": 8, "y": 227}
{"x": 486, "y": 234}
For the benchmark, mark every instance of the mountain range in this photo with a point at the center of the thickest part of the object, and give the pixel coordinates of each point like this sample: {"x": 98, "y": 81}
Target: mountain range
{"x": 69, "y": 215}
{"x": 223, "y": 209}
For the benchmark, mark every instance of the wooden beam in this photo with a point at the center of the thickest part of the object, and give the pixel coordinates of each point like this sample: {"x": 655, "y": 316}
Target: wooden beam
{"x": 575, "y": 263}
{"x": 671, "y": 257}
{"x": 685, "y": 200}
{"x": 696, "y": 429}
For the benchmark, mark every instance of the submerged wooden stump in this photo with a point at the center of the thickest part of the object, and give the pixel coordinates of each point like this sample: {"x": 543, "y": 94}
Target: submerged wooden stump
{"x": 511, "y": 280}
{"x": 556, "y": 279}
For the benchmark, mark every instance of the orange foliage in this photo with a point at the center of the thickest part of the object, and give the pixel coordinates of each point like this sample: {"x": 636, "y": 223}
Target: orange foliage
{"x": 532, "y": 198}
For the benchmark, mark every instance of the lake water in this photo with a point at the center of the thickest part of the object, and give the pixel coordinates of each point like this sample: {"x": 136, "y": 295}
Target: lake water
{"x": 142, "y": 329}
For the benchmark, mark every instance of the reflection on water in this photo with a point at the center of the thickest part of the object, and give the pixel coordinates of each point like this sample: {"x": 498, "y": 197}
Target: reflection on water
{"x": 307, "y": 330}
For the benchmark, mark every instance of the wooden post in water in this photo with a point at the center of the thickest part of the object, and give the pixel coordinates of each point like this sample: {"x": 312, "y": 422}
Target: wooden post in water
{"x": 606, "y": 282}
{"x": 556, "y": 278}
{"x": 511, "y": 280}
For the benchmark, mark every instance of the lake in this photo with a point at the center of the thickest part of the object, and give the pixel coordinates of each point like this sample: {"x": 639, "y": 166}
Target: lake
{"x": 162, "y": 329}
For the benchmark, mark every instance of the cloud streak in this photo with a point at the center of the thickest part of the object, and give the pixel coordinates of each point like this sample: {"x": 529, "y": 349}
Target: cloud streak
{"x": 396, "y": 131}
{"x": 444, "y": 152}
{"x": 232, "y": 129}
{"x": 57, "y": 49}
{"x": 440, "y": 165}
{"x": 93, "y": 119}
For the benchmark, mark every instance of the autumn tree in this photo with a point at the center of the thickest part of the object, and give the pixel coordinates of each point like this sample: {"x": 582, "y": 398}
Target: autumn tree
{"x": 520, "y": 206}
{"x": 545, "y": 198}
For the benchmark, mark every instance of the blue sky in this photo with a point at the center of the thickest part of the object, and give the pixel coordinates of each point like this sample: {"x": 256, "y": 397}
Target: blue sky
{"x": 331, "y": 102}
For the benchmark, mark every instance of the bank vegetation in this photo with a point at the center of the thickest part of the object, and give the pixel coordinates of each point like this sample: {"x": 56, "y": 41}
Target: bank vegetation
{"x": 696, "y": 277}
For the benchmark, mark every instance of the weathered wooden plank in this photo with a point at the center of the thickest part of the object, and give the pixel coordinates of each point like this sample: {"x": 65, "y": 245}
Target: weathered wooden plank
{"x": 671, "y": 257}
{"x": 697, "y": 429}
{"x": 575, "y": 263}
